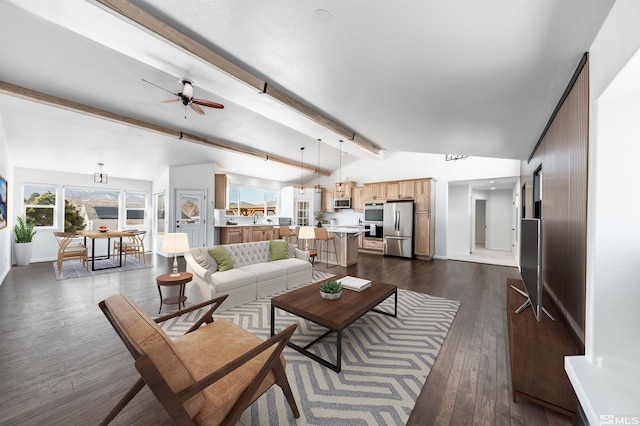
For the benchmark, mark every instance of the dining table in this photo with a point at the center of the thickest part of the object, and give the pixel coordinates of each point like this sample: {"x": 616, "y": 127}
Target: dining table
{"x": 108, "y": 234}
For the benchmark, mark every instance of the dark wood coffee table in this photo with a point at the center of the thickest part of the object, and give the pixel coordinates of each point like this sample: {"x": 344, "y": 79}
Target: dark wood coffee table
{"x": 336, "y": 315}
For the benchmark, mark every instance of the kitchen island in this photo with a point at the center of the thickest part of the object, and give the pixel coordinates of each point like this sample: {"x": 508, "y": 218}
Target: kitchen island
{"x": 346, "y": 238}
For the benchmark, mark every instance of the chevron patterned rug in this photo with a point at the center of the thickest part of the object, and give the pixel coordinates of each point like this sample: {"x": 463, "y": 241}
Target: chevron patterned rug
{"x": 385, "y": 362}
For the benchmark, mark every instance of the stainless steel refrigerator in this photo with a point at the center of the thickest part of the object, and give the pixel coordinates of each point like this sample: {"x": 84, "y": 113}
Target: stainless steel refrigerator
{"x": 398, "y": 228}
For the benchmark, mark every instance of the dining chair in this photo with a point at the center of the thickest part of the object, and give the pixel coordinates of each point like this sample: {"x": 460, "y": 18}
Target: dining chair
{"x": 68, "y": 249}
{"x": 210, "y": 375}
{"x": 134, "y": 245}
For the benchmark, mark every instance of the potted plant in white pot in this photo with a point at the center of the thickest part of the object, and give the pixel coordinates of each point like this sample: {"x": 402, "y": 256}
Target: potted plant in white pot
{"x": 24, "y": 235}
{"x": 330, "y": 290}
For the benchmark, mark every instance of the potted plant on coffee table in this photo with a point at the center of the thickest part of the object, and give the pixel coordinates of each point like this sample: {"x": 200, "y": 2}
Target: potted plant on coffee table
{"x": 331, "y": 290}
{"x": 23, "y": 247}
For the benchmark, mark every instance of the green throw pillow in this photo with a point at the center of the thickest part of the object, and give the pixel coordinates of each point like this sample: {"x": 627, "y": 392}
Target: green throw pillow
{"x": 279, "y": 249}
{"x": 222, "y": 257}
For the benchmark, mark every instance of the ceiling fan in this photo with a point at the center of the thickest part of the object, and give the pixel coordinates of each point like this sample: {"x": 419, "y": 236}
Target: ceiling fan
{"x": 187, "y": 99}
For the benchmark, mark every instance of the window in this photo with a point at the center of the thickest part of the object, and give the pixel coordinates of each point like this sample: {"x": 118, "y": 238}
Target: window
{"x": 40, "y": 204}
{"x": 160, "y": 218}
{"x": 247, "y": 201}
{"x": 135, "y": 204}
{"x": 96, "y": 206}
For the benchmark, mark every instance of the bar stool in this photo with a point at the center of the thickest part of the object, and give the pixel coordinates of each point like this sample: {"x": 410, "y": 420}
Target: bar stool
{"x": 323, "y": 238}
{"x": 286, "y": 234}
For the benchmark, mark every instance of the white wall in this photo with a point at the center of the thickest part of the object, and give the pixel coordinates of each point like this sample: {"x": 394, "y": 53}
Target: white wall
{"x": 410, "y": 165}
{"x": 613, "y": 280}
{"x": 499, "y": 215}
{"x": 606, "y": 378}
{"x": 6, "y": 234}
{"x": 459, "y": 225}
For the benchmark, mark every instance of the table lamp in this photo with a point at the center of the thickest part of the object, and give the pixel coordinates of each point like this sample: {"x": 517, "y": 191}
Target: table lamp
{"x": 175, "y": 243}
{"x": 306, "y": 233}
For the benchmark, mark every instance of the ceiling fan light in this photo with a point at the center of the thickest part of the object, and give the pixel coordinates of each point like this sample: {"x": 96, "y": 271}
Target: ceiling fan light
{"x": 187, "y": 91}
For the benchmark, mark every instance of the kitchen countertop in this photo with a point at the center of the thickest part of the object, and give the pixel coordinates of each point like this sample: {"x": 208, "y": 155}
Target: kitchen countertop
{"x": 347, "y": 229}
{"x": 330, "y": 228}
{"x": 240, "y": 225}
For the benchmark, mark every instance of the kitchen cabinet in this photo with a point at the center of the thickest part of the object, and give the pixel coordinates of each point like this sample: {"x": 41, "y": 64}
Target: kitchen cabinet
{"x": 399, "y": 190}
{"x": 327, "y": 200}
{"x": 423, "y": 241}
{"x": 346, "y": 190}
{"x": 247, "y": 234}
{"x": 406, "y": 189}
{"x": 357, "y": 201}
{"x": 220, "y": 183}
{"x": 422, "y": 195}
{"x": 375, "y": 191}
{"x": 231, "y": 235}
{"x": 424, "y": 223}
{"x": 392, "y": 190}
{"x": 372, "y": 245}
{"x": 262, "y": 233}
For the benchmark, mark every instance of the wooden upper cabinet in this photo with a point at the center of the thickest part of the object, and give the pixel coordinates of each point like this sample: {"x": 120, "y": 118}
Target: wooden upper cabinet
{"x": 357, "y": 203}
{"x": 399, "y": 190}
{"x": 422, "y": 195}
{"x": 392, "y": 190}
{"x": 405, "y": 189}
{"x": 375, "y": 191}
{"x": 220, "y": 183}
{"x": 347, "y": 187}
{"x": 327, "y": 200}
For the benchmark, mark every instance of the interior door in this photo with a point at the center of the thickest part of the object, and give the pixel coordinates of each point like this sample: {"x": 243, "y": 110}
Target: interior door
{"x": 190, "y": 215}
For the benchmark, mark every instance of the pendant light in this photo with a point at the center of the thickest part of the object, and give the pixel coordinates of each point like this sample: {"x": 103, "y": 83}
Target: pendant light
{"x": 339, "y": 184}
{"x": 318, "y": 187}
{"x": 100, "y": 177}
{"x": 301, "y": 170}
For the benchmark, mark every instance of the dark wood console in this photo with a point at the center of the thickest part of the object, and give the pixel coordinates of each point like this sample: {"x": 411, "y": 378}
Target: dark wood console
{"x": 537, "y": 350}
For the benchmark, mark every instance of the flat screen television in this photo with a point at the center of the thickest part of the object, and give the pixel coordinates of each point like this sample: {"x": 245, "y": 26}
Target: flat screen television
{"x": 531, "y": 266}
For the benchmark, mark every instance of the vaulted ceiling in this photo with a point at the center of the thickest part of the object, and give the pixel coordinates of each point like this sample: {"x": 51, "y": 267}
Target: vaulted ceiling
{"x": 471, "y": 77}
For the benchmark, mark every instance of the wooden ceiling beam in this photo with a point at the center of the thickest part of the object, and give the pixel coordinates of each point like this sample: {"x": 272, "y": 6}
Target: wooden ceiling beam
{"x": 54, "y": 101}
{"x": 172, "y": 35}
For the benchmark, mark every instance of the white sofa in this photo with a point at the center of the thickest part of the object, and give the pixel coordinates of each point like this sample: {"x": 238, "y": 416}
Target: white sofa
{"x": 253, "y": 275}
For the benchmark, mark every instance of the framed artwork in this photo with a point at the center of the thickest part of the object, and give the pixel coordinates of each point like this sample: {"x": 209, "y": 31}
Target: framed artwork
{"x": 3, "y": 203}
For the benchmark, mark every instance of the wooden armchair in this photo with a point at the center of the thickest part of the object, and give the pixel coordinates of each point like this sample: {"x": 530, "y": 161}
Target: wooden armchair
{"x": 208, "y": 376}
{"x": 68, "y": 249}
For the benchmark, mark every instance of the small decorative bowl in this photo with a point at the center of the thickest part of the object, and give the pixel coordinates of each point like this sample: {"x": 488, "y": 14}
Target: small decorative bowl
{"x": 331, "y": 296}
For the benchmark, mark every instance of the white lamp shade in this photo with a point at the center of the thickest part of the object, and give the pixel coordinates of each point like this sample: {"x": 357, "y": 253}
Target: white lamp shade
{"x": 175, "y": 243}
{"x": 306, "y": 233}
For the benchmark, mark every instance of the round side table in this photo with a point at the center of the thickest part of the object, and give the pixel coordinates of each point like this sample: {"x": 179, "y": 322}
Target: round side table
{"x": 166, "y": 280}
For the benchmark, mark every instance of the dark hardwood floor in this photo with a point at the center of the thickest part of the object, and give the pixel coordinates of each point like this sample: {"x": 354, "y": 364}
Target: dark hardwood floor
{"x": 61, "y": 363}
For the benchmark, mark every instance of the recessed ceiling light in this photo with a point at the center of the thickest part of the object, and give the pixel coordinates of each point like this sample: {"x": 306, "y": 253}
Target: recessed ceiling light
{"x": 493, "y": 187}
{"x": 322, "y": 16}
{"x": 492, "y": 181}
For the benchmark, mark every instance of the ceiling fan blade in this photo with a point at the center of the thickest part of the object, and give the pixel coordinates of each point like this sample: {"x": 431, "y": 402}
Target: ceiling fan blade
{"x": 196, "y": 108}
{"x": 207, "y": 103}
{"x": 153, "y": 84}
{"x": 170, "y": 100}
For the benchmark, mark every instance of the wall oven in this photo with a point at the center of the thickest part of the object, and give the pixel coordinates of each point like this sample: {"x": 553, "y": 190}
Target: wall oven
{"x": 373, "y": 220}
